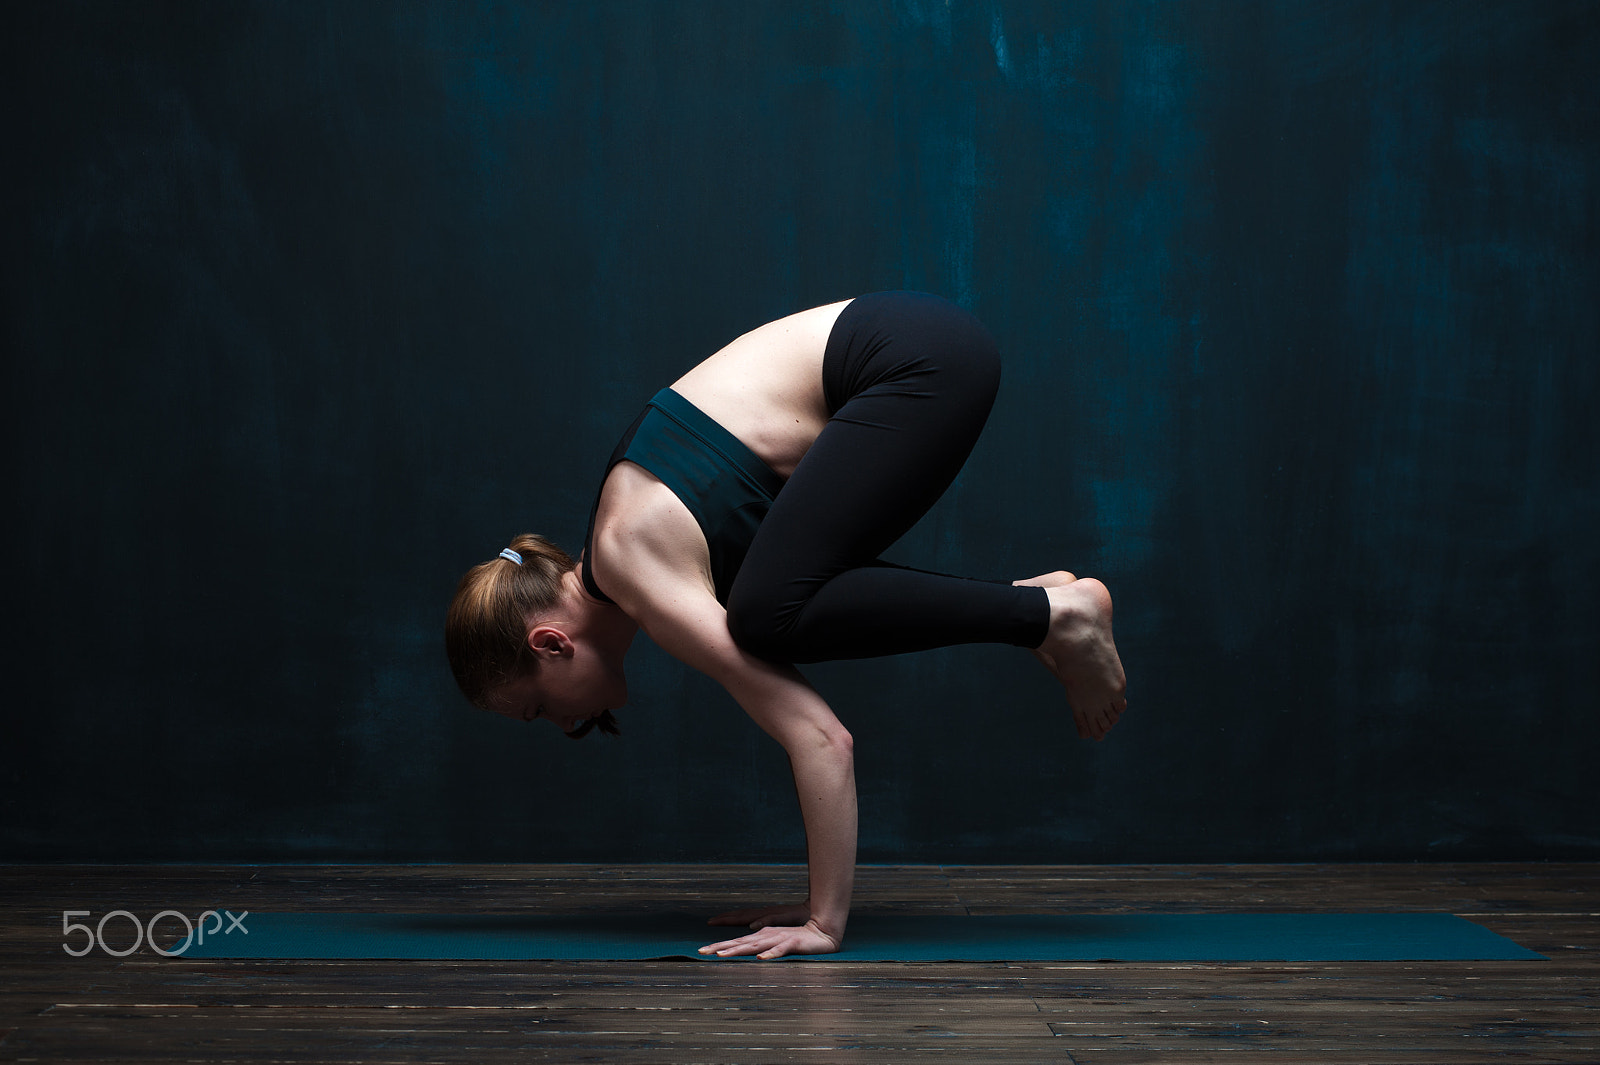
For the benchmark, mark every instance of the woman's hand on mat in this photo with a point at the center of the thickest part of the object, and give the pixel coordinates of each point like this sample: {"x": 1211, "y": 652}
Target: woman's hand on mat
{"x": 762, "y": 916}
{"x": 774, "y": 941}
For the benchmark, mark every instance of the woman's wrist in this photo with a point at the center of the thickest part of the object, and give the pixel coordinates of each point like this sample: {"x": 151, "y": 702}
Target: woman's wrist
{"x": 830, "y": 925}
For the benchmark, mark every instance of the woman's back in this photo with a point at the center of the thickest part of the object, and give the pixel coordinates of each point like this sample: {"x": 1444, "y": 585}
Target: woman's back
{"x": 765, "y": 388}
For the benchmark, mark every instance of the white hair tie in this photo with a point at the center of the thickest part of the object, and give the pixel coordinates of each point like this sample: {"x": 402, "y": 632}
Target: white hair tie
{"x": 512, "y": 555}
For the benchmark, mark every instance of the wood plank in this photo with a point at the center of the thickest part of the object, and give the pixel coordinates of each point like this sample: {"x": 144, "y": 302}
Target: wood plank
{"x": 144, "y": 1007}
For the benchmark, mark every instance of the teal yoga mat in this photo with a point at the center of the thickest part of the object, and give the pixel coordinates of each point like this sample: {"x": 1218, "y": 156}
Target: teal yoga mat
{"x": 874, "y": 937}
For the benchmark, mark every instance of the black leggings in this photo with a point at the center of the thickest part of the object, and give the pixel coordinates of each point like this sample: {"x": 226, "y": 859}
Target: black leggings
{"x": 909, "y": 380}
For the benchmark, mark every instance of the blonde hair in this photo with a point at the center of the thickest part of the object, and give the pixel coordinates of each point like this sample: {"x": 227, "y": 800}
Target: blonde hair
{"x": 486, "y": 629}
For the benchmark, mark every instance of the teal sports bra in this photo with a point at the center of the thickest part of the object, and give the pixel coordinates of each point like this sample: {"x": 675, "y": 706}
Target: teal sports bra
{"x": 724, "y": 484}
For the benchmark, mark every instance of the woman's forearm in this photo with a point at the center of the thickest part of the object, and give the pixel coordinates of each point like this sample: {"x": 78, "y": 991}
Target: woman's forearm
{"x": 825, "y": 780}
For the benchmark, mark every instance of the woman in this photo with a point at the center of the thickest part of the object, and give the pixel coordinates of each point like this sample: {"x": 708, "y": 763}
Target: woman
{"x": 740, "y": 523}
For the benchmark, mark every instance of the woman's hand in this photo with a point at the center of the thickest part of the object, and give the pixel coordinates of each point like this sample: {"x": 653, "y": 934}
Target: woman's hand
{"x": 762, "y": 916}
{"x": 774, "y": 941}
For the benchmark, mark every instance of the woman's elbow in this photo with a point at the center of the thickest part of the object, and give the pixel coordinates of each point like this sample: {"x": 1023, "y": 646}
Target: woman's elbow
{"x": 838, "y": 742}
{"x": 832, "y": 742}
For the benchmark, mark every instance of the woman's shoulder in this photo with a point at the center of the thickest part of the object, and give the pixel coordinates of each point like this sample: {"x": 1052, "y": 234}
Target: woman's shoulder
{"x": 643, "y": 534}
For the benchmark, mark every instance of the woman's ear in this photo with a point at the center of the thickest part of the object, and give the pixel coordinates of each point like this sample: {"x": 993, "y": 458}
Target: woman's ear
{"x": 547, "y": 641}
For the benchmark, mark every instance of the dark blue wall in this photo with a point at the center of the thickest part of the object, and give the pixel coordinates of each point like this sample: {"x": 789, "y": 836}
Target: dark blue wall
{"x": 309, "y": 307}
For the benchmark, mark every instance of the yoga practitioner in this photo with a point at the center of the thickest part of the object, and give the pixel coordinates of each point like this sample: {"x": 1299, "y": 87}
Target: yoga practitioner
{"x": 739, "y": 524}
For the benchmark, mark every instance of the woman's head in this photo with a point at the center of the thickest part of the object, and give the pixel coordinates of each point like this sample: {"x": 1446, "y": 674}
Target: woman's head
{"x": 500, "y": 650}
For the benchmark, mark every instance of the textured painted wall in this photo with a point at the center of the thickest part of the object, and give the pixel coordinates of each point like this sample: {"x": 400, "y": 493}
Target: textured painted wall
{"x": 309, "y": 307}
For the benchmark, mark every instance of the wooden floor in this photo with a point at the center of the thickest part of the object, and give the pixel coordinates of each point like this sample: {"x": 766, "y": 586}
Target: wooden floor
{"x": 143, "y": 1007}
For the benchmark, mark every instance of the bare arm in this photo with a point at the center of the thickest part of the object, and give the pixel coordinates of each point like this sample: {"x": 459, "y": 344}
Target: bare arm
{"x": 681, "y": 614}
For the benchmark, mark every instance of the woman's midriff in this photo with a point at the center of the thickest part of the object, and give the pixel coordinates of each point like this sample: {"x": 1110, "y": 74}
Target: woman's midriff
{"x": 766, "y": 387}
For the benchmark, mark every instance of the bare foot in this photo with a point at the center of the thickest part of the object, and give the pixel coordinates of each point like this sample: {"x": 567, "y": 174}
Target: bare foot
{"x": 1080, "y": 652}
{"x": 1047, "y": 580}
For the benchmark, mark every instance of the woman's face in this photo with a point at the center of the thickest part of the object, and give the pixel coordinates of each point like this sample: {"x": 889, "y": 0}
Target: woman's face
{"x": 565, "y": 691}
